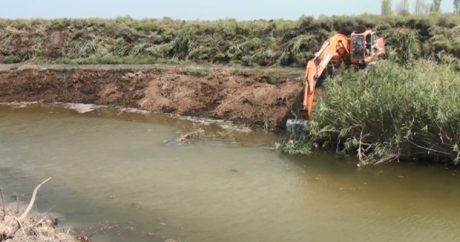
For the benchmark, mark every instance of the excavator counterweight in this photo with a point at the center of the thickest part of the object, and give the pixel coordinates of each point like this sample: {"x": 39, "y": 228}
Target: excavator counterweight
{"x": 360, "y": 48}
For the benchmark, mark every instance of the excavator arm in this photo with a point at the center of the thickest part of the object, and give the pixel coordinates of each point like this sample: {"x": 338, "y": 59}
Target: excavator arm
{"x": 333, "y": 51}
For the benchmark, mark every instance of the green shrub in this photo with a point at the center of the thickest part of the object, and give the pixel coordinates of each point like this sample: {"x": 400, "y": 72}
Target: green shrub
{"x": 387, "y": 112}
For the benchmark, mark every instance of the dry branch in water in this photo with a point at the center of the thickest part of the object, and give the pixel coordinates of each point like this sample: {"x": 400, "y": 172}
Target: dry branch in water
{"x": 3, "y": 205}
{"x": 32, "y": 200}
{"x": 11, "y": 224}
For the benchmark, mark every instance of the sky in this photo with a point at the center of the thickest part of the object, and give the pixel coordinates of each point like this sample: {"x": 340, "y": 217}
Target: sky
{"x": 190, "y": 9}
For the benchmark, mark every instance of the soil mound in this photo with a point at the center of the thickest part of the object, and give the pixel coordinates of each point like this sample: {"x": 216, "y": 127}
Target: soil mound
{"x": 251, "y": 98}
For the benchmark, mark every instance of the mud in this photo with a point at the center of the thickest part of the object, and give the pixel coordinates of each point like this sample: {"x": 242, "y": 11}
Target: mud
{"x": 251, "y": 97}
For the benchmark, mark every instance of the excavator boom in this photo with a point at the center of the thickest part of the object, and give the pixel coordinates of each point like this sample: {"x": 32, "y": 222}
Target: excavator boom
{"x": 333, "y": 51}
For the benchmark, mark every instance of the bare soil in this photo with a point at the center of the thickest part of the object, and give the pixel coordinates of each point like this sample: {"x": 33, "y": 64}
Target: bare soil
{"x": 256, "y": 97}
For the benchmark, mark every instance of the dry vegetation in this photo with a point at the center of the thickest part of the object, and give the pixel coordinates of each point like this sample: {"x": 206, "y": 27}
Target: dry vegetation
{"x": 250, "y": 43}
{"x": 19, "y": 226}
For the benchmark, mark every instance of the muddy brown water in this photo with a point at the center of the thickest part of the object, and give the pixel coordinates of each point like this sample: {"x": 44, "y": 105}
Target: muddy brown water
{"x": 127, "y": 171}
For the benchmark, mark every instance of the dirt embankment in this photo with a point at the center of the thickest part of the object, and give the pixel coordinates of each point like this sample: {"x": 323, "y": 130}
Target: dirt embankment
{"x": 256, "y": 98}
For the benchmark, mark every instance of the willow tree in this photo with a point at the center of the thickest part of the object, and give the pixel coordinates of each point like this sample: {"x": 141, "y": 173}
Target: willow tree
{"x": 457, "y": 6}
{"x": 421, "y": 7}
{"x": 403, "y": 7}
{"x": 436, "y": 7}
{"x": 387, "y": 9}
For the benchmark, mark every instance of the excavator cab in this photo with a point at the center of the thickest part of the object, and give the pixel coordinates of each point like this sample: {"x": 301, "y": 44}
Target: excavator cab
{"x": 358, "y": 48}
{"x": 366, "y": 47}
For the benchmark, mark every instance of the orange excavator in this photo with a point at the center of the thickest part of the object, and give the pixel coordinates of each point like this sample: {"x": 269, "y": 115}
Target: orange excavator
{"x": 361, "y": 48}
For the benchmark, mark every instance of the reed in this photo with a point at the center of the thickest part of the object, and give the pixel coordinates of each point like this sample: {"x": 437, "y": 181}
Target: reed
{"x": 389, "y": 112}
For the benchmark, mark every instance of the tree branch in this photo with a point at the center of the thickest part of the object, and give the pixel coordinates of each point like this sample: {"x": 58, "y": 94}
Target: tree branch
{"x": 32, "y": 200}
{"x": 431, "y": 149}
{"x": 386, "y": 159}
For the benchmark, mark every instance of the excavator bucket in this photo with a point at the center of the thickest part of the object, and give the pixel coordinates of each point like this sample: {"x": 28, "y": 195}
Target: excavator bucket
{"x": 297, "y": 129}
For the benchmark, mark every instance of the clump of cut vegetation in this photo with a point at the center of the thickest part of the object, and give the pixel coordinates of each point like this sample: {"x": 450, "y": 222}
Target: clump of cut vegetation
{"x": 249, "y": 43}
{"x": 388, "y": 112}
{"x": 19, "y": 226}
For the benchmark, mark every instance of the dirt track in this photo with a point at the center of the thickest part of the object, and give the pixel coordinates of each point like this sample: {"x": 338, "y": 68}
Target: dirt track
{"x": 255, "y": 97}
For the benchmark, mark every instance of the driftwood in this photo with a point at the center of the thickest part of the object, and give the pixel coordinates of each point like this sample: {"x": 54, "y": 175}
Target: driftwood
{"x": 189, "y": 136}
{"x": 3, "y": 205}
{"x": 12, "y": 224}
{"x": 386, "y": 159}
